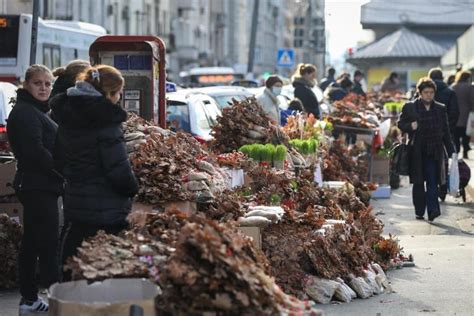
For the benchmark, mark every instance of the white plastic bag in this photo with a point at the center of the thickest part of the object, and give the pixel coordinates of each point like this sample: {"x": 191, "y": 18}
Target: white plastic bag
{"x": 320, "y": 290}
{"x": 361, "y": 287}
{"x": 370, "y": 278}
{"x": 385, "y": 128}
{"x": 470, "y": 124}
{"x": 454, "y": 176}
{"x": 258, "y": 221}
{"x": 344, "y": 293}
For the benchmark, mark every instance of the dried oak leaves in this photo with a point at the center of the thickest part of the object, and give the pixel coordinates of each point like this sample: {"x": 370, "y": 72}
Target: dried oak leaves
{"x": 10, "y": 239}
{"x": 210, "y": 266}
{"x": 165, "y": 163}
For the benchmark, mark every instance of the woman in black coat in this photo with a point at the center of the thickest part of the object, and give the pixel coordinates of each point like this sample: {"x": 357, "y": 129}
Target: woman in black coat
{"x": 426, "y": 123}
{"x": 100, "y": 181}
{"x": 304, "y": 80}
{"x": 37, "y": 184}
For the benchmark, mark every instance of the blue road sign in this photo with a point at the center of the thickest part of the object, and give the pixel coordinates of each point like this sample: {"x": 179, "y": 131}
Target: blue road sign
{"x": 286, "y": 57}
{"x": 170, "y": 86}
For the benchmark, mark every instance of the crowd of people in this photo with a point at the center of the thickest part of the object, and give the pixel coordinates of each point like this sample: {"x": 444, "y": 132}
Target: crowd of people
{"x": 435, "y": 120}
{"x": 69, "y": 145}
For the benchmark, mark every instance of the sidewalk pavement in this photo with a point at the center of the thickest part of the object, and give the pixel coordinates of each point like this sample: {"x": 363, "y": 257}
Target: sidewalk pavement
{"x": 442, "y": 282}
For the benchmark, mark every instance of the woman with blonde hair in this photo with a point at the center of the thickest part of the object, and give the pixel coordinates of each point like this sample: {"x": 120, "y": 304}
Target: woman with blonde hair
{"x": 37, "y": 184}
{"x": 100, "y": 181}
{"x": 66, "y": 76}
{"x": 304, "y": 79}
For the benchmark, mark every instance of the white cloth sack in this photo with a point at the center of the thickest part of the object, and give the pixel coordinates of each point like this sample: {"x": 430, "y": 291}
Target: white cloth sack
{"x": 454, "y": 176}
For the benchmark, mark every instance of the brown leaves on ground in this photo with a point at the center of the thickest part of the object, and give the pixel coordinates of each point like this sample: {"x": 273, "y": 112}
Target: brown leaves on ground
{"x": 244, "y": 123}
{"x": 10, "y": 239}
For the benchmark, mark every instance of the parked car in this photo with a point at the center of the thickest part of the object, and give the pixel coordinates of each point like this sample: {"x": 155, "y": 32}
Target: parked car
{"x": 193, "y": 113}
{"x": 223, "y": 95}
{"x": 7, "y": 92}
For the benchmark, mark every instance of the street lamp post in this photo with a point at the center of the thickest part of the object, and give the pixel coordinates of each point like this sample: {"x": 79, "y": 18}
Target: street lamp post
{"x": 34, "y": 32}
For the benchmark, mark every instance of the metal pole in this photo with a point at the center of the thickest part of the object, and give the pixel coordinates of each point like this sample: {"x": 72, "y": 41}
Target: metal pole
{"x": 253, "y": 36}
{"x": 34, "y": 32}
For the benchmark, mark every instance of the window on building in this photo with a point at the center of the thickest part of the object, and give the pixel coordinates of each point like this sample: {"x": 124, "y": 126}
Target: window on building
{"x": 298, "y": 20}
{"x": 298, "y": 43}
{"x": 299, "y": 32}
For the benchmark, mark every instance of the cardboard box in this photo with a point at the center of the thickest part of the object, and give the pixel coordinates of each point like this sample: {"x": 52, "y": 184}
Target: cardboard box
{"x": 7, "y": 174}
{"x": 110, "y": 297}
{"x": 381, "y": 170}
{"x": 382, "y": 192}
{"x": 255, "y": 233}
{"x": 187, "y": 207}
{"x": 14, "y": 210}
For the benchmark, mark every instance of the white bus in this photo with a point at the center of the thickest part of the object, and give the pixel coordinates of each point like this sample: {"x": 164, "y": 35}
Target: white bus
{"x": 58, "y": 43}
{"x": 209, "y": 76}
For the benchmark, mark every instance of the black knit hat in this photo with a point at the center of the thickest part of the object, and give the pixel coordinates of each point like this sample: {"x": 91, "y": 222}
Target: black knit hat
{"x": 272, "y": 80}
{"x": 358, "y": 73}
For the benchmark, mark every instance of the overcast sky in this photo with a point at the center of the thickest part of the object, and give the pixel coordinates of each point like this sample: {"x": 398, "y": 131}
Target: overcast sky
{"x": 343, "y": 26}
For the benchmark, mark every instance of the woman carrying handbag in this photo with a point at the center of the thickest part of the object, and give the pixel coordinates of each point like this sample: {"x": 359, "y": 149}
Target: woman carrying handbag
{"x": 426, "y": 123}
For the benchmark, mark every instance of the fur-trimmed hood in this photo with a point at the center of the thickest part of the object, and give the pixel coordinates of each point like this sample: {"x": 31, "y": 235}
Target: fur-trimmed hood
{"x": 86, "y": 111}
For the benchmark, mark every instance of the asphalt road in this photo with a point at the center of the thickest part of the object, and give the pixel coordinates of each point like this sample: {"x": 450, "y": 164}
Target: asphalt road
{"x": 442, "y": 281}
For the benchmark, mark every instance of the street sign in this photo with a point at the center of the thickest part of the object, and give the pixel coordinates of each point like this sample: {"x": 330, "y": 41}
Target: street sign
{"x": 286, "y": 57}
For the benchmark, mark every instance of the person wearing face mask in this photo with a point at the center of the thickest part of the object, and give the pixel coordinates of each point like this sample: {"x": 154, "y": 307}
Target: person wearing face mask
{"x": 304, "y": 79}
{"x": 268, "y": 98}
{"x": 100, "y": 180}
{"x": 37, "y": 184}
{"x": 426, "y": 122}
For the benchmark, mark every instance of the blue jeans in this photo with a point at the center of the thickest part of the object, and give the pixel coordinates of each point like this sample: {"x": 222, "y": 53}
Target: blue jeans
{"x": 427, "y": 199}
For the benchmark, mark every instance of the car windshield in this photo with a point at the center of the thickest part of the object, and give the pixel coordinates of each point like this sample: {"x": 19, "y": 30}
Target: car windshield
{"x": 223, "y": 100}
{"x": 177, "y": 117}
{"x": 206, "y": 115}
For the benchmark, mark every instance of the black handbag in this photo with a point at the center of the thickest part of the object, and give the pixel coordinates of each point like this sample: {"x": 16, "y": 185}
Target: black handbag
{"x": 400, "y": 156}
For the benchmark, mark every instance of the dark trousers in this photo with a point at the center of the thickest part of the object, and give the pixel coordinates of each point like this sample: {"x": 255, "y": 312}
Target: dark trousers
{"x": 460, "y": 137}
{"x": 427, "y": 199}
{"x": 75, "y": 233}
{"x": 40, "y": 240}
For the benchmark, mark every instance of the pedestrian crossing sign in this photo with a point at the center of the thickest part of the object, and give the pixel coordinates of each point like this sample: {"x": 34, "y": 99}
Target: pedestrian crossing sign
{"x": 286, "y": 57}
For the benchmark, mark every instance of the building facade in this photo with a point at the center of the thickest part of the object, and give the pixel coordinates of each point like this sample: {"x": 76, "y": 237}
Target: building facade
{"x": 203, "y": 32}
{"x": 308, "y": 28}
{"x": 400, "y": 30}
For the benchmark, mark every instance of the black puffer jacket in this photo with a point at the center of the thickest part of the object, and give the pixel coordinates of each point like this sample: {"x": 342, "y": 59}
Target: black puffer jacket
{"x": 307, "y": 97}
{"x": 100, "y": 181}
{"x": 32, "y": 136}
{"x": 447, "y": 96}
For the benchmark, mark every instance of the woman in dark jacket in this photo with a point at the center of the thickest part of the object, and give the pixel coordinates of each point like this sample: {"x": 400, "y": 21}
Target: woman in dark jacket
{"x": 37, "y": 184}
{"x": 426, "y": 123}
{"x": 304, "y": 80}
{"x": 100, "y": 181}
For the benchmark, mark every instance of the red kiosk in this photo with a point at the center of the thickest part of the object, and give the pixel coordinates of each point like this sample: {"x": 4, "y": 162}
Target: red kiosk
{"x": 141, "y": 60}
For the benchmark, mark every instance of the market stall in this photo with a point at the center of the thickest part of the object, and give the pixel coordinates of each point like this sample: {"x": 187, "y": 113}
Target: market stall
{"x": 247, "y": 226}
